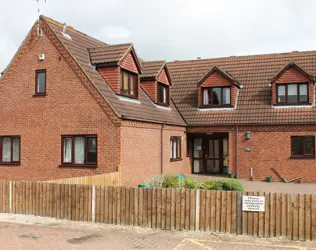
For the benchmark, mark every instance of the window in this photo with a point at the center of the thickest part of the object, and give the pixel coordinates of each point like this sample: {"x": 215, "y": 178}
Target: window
{"x": 163, "y": 94}
{"x": 294, "y": 93}
{"x": 303, "y": 145}
{"x": 218, "y": 96}
{"x": 129, "y": 83}
{"x": 79, "y": 149}
{"x": 175, "y": 148}
{"x": 40, "y": 84}
{"x": 9, "y": 149}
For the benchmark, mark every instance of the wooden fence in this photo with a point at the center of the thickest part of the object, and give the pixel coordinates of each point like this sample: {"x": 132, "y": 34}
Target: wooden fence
{"x": 291, "y": 216}
{"x": 107, "y": 179}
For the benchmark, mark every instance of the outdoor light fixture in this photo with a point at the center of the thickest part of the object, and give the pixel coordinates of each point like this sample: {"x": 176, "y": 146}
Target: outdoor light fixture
{"x": 248, "y": 135}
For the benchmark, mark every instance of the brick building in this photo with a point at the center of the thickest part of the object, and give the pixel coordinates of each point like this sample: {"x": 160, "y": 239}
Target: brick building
{"x": 73, "y": 106}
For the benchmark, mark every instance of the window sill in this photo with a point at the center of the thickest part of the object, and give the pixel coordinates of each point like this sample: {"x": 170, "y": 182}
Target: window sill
{"x": 39, "y": 95}
{"x": 129, "y": 96}
{"x": 9, "y": 164}
{"x": 302, "y": 157}
{"x": 172, "y": 160}
{"x": 77, "y": 166}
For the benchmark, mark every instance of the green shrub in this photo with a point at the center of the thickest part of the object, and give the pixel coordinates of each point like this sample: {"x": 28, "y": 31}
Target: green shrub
{"x": 232, "y": 185}
{"x": 170, "y": 181}
{"x": 188, "y": 183}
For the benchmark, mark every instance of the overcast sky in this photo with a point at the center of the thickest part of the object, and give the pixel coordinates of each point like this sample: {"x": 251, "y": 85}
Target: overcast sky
{"x": 172, "y": 29}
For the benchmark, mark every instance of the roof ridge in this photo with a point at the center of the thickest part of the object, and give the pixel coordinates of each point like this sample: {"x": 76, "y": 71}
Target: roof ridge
{"x": 71, "y": 28}
{"x": 244, "y": 56}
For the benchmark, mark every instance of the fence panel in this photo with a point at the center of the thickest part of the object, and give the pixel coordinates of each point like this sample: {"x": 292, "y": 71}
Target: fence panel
{"x": 286, "y": 215}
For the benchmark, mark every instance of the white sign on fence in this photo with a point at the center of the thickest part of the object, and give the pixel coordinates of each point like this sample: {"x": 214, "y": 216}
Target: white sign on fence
{"x": 253, "y": 203}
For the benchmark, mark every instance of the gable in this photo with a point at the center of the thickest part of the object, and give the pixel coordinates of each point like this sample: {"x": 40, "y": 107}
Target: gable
{"x": 292, "y": 75}
{"x": 163, "y": 78}
{"x": 216, "y": 79}
{"x": 129, "y": 64}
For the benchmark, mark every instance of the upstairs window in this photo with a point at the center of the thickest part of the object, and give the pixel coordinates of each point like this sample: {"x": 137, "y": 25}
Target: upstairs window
{"x": 303, "y": 146}
{"x": 9, "y": 149}
{"x": 79, "y": 150}
{"x": 128, "y": 83}
{"x": 163, "y": 94}
{"x": 293, "y": 93}
{"x": 40, "y": 82}
{"x": 218, "y": 96}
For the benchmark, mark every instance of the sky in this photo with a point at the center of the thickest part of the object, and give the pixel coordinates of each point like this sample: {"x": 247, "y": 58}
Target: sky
{"x": 172, "y": 29}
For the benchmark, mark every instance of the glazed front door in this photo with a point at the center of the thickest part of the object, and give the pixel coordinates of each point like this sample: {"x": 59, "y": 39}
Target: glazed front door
{"x": 210, "y": 155}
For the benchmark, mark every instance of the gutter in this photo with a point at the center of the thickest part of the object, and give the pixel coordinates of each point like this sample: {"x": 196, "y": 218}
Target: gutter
{"x": 161, "y": 149}
{"x": 237, "y": 151}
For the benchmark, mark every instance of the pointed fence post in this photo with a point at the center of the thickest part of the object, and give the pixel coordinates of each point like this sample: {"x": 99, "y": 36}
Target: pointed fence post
{"x": 93, "y": 207}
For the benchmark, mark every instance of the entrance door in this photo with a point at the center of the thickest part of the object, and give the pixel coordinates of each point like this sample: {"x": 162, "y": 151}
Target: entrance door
{"x": 210, "y": 155}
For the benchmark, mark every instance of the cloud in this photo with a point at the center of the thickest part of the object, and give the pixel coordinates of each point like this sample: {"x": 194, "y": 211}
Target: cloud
{"x": 177, "y": 29}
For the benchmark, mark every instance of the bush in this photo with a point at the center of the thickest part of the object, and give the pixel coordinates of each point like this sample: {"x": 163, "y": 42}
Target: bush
{"x": 188, "y": 183}
{"x": 171, "y": 181}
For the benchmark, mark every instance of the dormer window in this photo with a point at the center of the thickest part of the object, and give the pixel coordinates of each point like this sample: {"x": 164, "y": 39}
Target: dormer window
{"x": 163, "y": 94}
{"x": 128, "y": 83}
{"x": 292, "y": 93}
{"x": 217, "y": 96}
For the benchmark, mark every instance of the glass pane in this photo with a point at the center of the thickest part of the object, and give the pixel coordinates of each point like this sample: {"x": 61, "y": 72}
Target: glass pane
{"x": 124, "y": 85}
{"x": 6, "y": 149}
{"x": 308, "y": 145}
{"x": 225, "y": 147}
{"x": 297, "y": 146}
{"x": 175, "y": 148}
{"x": 67, "y": 150}
{"x": 216, "y": 165}
{"x": 179, "y": 148}
{"x": 133, "y": 83}
{"x": 292, "y": 93}
{"x": 171, "y": 150}
{"x": 41, "y": 82}
{"x": 198, "y": 166}
{"x": 210, "y": 148}
{"x": 164, "y": 95}
{"x": 205, "y": 97}
{"x": 197, "y": 148}
{"x": 216, "y": 148}
{"x": 226, "y": 95}
{"x": 303, "y": 93}
{"x": 217, "y": 96}
{"x": 92, "y": 150}
{"x": 16, "y": 150}
{"x": 281, "y": 93}
{"x": 79, "y": 150}
{"x": 160, "y": 93}
{"x": 210, "y": 166}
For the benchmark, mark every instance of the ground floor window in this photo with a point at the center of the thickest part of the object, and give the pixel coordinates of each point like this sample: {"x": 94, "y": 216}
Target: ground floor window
{"x": 10, "y": 149}
{"x": 79, "y": 149}
{"x": 303, "y": 145}
{"x": 175, "y": 148}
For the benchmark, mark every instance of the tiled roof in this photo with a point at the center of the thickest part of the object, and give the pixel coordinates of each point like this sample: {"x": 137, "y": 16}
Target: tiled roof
{"x": 109, "y": 53}
{"x": 152, "y": 69}
{"x": 146, "y": 110}
{"x": 254, "y": 105}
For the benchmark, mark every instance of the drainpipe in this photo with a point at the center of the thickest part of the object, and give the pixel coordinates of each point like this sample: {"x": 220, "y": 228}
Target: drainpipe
{"x": 161, "y": 150}
{"x": 237, "y": 151}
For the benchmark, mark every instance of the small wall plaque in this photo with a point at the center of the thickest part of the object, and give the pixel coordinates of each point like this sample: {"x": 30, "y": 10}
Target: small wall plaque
{"x": 248, "y": 149}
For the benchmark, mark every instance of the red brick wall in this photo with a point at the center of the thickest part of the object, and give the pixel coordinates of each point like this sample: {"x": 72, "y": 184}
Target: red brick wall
{"x": 112, "y": 76}
{"x": 217, "y": 80}
{"x": 271, "y": 148}
{"x": 150, "y": 87}
{"x": 141, "y": 152}
{"x": 163, "y": 77}
{"x": 68, "y": 108}
{"x": 291, "y": 75}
